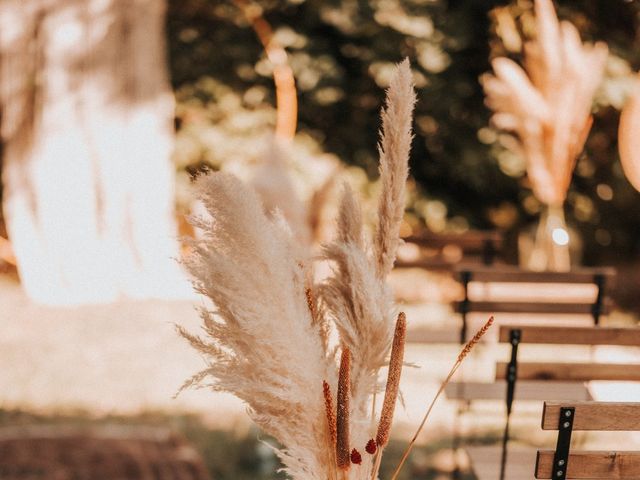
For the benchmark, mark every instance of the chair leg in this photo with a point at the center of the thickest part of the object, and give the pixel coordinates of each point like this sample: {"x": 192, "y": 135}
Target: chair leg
{"x": 505, "y": 442}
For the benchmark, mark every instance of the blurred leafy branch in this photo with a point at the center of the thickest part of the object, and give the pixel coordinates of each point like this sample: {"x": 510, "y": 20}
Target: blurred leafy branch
{"x": 342, "y": 51}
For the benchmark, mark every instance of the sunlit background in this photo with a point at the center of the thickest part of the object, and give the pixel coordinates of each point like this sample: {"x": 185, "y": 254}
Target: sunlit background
{"x": 108, "y": 111}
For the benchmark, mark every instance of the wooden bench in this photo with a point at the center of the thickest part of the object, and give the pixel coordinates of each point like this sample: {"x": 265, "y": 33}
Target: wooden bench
{"x": 563, "y": 463}
{"x": 543, "y": 377}
{"x": 447, "y": 249}
{"x": 599, "y": 277}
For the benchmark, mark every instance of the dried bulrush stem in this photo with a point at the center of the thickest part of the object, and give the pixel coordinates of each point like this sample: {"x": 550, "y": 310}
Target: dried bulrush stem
{"x": 331, "y": 416}
{"x": 393, "y": 381}
{"x": 331, "y": 426}
{"x": 343, "y": 454}
{"x": 391, "y": 391}
{"x": 463, "y": 354}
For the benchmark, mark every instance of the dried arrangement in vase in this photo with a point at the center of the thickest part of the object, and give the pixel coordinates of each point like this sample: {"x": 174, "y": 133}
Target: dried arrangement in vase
{"x": 547, "y": 105}
{"x": 268, "y": 333}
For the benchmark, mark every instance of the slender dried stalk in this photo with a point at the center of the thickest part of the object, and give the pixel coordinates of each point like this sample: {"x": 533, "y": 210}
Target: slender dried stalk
{"x": 463, "y": 354}
{"x": 343, "y": 453}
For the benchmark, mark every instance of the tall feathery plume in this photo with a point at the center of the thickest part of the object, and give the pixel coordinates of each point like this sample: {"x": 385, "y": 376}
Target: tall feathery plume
{"x": 548, "y": 104}
{"x": 394, "y": 146}
{"x": 461, "y": 356}
{"x": 391, "y": 390}
{"x": 356, "y": 296}
{"x": 260, "y": 340}
{"x": 343, "y": 454}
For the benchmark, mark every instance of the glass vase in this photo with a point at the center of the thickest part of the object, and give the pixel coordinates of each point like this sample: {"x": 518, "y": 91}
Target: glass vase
{"x": 551, "y": 245}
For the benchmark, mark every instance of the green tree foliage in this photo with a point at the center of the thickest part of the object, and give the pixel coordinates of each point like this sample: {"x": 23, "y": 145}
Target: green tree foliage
{"x": 341, "y": 52}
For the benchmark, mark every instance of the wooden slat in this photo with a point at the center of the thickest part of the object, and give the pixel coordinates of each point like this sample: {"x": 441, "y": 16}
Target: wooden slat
{"x": 573, "y": 372}
{"x": 472, "y": 240}
{"x": 507, "y": 273}
{"x": 424, "y": 335}
{"x": 525, "y": 391}
{"x": 603, "y": 416}
{"x": 437, "y": 262}
{"x": 532, "y": 307}
{"x": 574, "y": 335}
{"x": 593, "y": 465}
{"x": 485, "y": 462}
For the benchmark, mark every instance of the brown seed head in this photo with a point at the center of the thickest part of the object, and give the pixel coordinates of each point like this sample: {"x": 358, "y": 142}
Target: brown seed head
{"x": 393, "y": 381}
{"x": 371, "y": 447}
{"x": 331, "y": 415}
{"x": 342, "y": 425}
{"x": 356, "y": 457}
{"x": 311, "y": 301}
{"x": 476, "y": 338}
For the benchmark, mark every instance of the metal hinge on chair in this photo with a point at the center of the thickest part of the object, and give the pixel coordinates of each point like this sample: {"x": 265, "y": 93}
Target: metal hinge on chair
{"x": 561, "y": 456}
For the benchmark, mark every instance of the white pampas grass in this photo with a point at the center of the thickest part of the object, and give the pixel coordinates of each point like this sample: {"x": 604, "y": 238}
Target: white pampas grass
{"x": 267, "y": 334}
{"x": 394, "y": 146}
{"x": 548, "y": 104}
{"x": 261, "y": 344}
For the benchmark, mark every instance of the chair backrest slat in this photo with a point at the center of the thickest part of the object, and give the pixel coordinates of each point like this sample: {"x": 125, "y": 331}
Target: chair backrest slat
{"x": 572, "y": 372}
{"x": 600, "y": 416}
{"x": 510, "y": 274}
{"x": 582, "y": 308}
{"x": 592, "y": 464}
{"x": 573, "y": 335}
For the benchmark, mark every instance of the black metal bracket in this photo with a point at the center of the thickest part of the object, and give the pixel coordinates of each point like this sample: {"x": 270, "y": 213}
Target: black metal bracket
{"x": 596, "y": 308}
{"x": 515, "y": 336}
{"x": 465, "y": 278}
{"x": 561, "y": 456}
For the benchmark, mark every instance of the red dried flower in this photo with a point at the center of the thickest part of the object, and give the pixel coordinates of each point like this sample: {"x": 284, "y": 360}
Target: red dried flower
{"x": 356, "y": 457}
{"x": 371, "y": 447}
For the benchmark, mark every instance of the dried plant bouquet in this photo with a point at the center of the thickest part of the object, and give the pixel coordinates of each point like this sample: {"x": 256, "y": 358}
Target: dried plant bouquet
{"x": 548, "y": 103}
{"x": 269, "y": 330}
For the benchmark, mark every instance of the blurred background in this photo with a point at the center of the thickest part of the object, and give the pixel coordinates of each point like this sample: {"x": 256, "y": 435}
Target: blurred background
{"x": 110, "y": 108}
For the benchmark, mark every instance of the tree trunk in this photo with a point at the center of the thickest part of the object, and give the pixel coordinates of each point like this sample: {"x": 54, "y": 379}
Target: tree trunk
{"x": 86, "y": 123}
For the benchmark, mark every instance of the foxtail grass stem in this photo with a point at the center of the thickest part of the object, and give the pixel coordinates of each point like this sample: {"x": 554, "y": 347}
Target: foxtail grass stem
{"x": 463, "y": 353}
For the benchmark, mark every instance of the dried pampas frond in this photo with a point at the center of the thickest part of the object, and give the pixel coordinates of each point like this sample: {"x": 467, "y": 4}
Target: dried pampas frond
{"x": 394, "y": 146}
{"x": 260, "y": 341}
{"x": 266, "y": 330}
{"x": 548, "y": 104}
{"x": 357, "y": 296}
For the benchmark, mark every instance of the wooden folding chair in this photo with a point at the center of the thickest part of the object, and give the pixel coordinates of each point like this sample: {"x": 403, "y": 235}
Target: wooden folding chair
{"x": 565, "y": 463}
